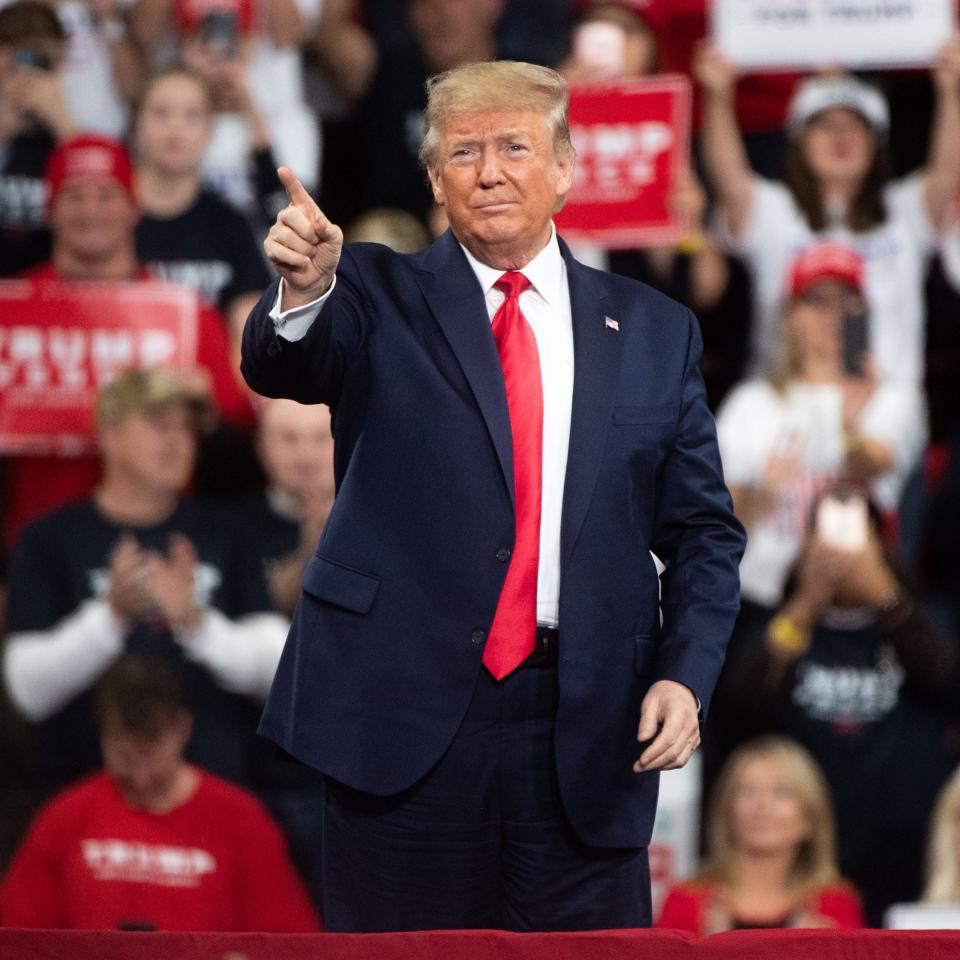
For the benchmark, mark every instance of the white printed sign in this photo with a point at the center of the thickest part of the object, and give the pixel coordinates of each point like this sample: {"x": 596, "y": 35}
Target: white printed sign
{"x": 789, "y": 34}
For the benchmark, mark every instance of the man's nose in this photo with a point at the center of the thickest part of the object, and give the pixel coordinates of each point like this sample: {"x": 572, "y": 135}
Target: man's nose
{"x": 490, "y": 172}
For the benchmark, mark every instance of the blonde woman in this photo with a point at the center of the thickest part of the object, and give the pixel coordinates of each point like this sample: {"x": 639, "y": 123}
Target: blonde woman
{"x": 772, "y": 858}
{"x": 787, "y": 437}
{"x": 943, "y": 850}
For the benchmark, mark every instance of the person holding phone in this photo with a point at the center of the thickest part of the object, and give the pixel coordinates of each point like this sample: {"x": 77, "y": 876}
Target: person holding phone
{"x": 837, "y": 188}
{"x": 851, "y": 668}
{"x": 824, "y": 414}
{"x": 34, "y": 117}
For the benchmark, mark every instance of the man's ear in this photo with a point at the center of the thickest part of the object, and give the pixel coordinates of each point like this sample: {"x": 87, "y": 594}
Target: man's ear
{"x": 436, "y": 186}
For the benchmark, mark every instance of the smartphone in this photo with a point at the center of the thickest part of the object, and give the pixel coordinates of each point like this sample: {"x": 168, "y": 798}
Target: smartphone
{"x": 843, "y": 521}
{"x": 219, "y": 29}
{"x": 600, "y": 46}
{"x": 854, "y": 343}
{"x": 28, "y": 57}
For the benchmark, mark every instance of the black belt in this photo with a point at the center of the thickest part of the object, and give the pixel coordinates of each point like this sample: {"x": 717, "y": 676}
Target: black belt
{"x": 545, "y": 652}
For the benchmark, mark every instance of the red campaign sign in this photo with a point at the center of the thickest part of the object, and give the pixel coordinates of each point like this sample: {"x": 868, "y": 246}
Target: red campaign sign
{"x": 60, "y": 342}
{"x": 631, "y": 136}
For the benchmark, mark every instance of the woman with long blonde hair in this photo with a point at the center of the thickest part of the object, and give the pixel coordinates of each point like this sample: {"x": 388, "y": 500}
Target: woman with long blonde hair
{"x": 772, "y": 855}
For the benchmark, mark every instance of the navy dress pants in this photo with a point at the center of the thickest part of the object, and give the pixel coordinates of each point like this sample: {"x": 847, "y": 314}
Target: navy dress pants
{"x": 481, "y": 842}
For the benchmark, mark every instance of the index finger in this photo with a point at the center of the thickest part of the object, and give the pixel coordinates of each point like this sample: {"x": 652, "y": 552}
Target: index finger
{"x": 296, "y": 191}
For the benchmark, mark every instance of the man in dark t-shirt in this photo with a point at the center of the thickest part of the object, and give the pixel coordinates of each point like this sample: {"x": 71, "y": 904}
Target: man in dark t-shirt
{"x": 442, "y": 35}
{"x": 136, "y": 568}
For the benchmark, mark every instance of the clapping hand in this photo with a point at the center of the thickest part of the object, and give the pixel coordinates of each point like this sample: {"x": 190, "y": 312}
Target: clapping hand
{"x": 303, "y": 245}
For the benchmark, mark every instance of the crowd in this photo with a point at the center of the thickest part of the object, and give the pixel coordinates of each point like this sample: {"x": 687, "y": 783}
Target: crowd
{"x": 149, "y": 587}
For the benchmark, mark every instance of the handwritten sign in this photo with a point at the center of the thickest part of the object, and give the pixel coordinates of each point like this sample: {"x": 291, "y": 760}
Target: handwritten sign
{"x": 788, "y": 34}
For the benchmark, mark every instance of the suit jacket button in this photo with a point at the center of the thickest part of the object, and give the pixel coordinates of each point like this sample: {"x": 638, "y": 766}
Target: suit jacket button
{"x": 477, "y": 637}
{"x": 503, "y": 554}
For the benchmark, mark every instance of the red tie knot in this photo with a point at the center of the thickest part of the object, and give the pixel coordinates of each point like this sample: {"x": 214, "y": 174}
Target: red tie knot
{"x": 512, "y": 283}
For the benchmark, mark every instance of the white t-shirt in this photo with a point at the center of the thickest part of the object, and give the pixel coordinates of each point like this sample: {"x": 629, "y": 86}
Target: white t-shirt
{"x": 227, "y": 164}
{"x": 757, "y": 420}
{"x": 895, "y": 257}
{"x": 92, "y": 96}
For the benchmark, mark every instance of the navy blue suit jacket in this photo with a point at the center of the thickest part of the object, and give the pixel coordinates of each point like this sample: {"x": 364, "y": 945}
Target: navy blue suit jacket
{"x": 386, "y": 644}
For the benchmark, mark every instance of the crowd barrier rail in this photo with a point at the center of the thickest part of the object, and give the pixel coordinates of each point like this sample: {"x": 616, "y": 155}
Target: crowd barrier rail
{"x": 484, "y": 945}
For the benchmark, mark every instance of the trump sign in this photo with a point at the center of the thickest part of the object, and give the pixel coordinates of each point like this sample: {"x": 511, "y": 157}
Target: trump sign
{"x": 59, "y": 343}
{"x": 631, "y": 136}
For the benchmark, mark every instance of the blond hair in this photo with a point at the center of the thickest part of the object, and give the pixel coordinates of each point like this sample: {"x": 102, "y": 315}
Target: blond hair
{"x": 815, "y": 862}
{"x": 943, "y": 863}
{"x": 788, "y": 362}
{"x": 397, "y": 229}
{"x": 506, "y": 85}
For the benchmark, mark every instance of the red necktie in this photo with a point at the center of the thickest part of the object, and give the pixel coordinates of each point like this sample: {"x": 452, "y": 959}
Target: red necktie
{"x": 513, "y": 634}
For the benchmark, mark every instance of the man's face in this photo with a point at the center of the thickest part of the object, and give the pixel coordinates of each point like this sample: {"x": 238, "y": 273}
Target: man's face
{"x": 153, "y": 448}
{"x": 499, "y": 179}
{"x": 145, "y": 768}
{"x": 450, "y": 31}
{"x": 174, "y": 124}
{"x": 296, "y": 447}
{"x": 92, "y": 219}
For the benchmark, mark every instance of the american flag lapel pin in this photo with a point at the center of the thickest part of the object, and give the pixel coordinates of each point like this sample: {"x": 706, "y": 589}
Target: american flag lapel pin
{"x": 611, "y": 324}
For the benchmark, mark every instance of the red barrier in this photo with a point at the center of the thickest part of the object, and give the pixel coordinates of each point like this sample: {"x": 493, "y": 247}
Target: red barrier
{"x": 484, "y": 945}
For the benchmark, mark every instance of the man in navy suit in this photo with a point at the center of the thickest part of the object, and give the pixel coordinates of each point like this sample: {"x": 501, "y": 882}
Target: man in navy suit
{"x": 481, "y": 643}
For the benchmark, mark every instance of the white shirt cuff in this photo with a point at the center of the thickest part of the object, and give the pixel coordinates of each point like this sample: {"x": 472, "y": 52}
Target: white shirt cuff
{"x": 294, "y": 323}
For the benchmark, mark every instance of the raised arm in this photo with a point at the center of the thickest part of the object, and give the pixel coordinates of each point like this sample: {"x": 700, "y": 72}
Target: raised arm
{"x": 724, "y": 155}
{"x": 942, "y": 176}
{"x": 287, "y": 350}
{"x": 303, "y": 245}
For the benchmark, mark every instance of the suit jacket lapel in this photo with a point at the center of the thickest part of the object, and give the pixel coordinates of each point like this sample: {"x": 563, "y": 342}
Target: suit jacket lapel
{"x": 597, "y": 355}
{"x": 444, "y": 279}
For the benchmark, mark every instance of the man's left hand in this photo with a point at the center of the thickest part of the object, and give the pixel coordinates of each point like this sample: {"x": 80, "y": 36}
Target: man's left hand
{"x": 671, "y": 708}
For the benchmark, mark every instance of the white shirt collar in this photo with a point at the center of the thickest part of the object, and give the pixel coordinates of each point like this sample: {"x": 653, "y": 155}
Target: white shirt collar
{"x": 545, "y": 271}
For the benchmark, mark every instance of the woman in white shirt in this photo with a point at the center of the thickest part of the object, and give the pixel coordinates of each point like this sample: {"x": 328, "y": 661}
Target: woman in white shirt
{"x": 837, "y": 188}
{"x": 786, "y": 437}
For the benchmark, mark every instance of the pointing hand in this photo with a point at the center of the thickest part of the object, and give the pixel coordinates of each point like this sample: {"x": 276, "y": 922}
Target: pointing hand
{"x": 303, "y": 245}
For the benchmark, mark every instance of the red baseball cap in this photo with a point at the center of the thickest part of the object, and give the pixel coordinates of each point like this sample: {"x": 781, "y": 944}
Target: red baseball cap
{"x": 825, "y": 261}
{"x": 189, "y": 14}
{"x": 88, "y": 158}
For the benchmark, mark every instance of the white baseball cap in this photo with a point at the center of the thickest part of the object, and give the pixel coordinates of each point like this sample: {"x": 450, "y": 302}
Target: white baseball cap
{"x": 816, "y": 94}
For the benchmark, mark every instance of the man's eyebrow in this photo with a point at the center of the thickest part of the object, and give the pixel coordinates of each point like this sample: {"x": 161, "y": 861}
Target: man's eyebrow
{"x": 464, "y": 141}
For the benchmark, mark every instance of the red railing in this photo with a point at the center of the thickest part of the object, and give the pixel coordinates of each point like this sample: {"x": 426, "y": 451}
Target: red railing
{"x": 484, "y": 945}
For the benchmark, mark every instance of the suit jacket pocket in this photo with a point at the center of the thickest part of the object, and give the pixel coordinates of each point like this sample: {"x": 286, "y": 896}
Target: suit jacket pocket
{"x": 343, "y": 586}
{"x": 652, "y": 413}
{"x": 644, "y": 654}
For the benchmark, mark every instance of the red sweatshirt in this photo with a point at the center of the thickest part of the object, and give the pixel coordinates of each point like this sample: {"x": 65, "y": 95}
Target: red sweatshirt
{"x": 215, "y": 863}
{"x": 686, "y": 906}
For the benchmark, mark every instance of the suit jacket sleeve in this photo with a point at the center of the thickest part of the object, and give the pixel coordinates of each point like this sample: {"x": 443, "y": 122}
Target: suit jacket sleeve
{"x": 700, "y": 540}
{"x": 311, "y": 370}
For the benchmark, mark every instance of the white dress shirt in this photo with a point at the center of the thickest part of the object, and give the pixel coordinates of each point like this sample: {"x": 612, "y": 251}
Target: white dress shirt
{"x": 546, "y": 307}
